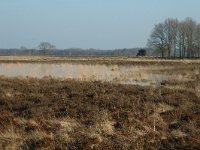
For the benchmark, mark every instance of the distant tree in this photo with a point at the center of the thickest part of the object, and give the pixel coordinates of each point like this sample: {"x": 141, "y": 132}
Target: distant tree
{"x": 190, "y": 26}
{"x": 178, "y": 38}
{"x": 23, "y": 48}
{"x": 45, "y": 47}
{"x": 197, "y": 40}
{"x": 157, "y": 38}
{"x": 181, "y": 39}
{"x": 171, "y": 32}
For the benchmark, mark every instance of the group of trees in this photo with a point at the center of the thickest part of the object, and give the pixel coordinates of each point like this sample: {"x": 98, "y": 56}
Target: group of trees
{"x": 174, "y": 38}
{"x": 45, "y": 47}
{"x": 72, "y": 52}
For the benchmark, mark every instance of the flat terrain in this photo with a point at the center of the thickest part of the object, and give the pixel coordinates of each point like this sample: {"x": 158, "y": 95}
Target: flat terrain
{"x": 50, "y": 113}
{"x": 99, "y": 60}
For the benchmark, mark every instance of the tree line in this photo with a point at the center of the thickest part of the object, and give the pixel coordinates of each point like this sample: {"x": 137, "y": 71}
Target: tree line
{"x": 48, "y": 49}
{"x": 174, "y": 38}
{"x": 72, "y": 52}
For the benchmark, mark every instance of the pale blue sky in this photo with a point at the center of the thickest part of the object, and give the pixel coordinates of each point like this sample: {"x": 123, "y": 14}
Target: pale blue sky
{"x": 104, "y": 24}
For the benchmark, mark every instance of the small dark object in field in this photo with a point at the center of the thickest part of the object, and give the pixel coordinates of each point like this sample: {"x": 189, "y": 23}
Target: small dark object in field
{"x": 62, "y": 112}
{"x": 89, "y": 123}
{"x": 20, "y": 109}
{"x": 198, "y": 123}
{"x": 174, "y": 126}
{"x": 63, "y": 109}
{"x": 75, "y": 146}
{"x": 32, "y": 144}
{"x": 90, "y": 95}
{"x": 141, "y": 91}
{"x": 173, "y": 102}
{"x": 2, "y": 102}
{"x": 6, "y": 117}
{"x": 36, "y": 101}
{"x": 118, "y": 125}
{"x": 176, "y": 143}
{"x": 163, "y": 83}
{"x": 142, "y": 52}
{"x": 123, "y": 115}
{"x": 73, "y": 94}
{"x": 185, "y": 118}
{"x": 29, "y": 129}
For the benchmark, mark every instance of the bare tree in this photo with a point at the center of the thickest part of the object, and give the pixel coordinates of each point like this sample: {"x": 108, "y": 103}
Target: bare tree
{"x": 174, "y": 37}
{"x": 190, "y": 26}
{"x": 45, "y": 47}
{"x": 23, "y": 48}
{"x": 158, "y": 38}
{"x": 171, "y": 31}
{"x": 182, "y": 39}
{"x": 197, "y": 40}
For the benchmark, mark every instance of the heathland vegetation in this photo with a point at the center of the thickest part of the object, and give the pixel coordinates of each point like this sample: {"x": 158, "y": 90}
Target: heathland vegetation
{"x": 51, "y": 113}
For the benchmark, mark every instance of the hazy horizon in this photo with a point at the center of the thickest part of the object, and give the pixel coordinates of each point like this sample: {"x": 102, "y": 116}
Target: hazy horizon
{"x": 103, "y": 24}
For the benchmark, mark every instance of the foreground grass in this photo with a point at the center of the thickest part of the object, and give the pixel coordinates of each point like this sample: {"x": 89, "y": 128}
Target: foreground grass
{"x": 69, "y": 114}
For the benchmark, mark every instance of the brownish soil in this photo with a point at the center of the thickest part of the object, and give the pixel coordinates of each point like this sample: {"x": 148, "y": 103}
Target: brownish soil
{"x": 67, "y": 114}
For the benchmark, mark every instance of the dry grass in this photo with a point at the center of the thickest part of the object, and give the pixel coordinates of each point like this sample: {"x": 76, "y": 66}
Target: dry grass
{"x": 99, "y": 60}
{"x": 143, "y": 71}
{"x": 51, "y": 113}
{"x": 68, "y": 114}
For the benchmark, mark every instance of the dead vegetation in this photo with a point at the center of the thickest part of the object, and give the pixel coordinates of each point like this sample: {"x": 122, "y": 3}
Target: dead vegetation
{"x": 68, "y": 114}
{"x": 144, "y": 61}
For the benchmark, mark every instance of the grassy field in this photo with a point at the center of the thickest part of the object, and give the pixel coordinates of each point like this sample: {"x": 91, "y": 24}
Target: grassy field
{"x": 99, "y": 60}
{"x": 50, "y": 113}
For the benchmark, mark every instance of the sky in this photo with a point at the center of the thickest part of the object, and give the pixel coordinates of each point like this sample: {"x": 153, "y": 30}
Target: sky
{"x": 100, "y": 24}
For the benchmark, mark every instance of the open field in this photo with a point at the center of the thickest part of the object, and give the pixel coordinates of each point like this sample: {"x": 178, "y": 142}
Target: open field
{"x": 81, "y": 113}
{"x": 98, "y": 60}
